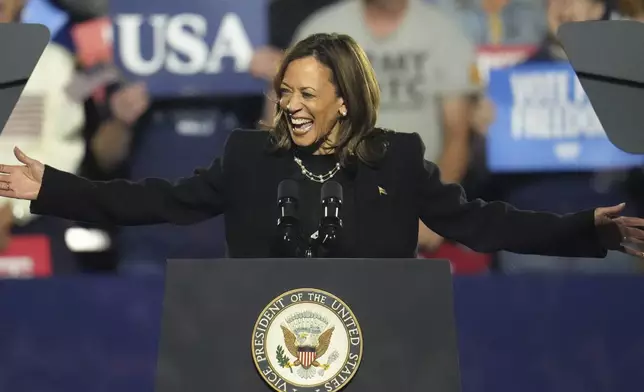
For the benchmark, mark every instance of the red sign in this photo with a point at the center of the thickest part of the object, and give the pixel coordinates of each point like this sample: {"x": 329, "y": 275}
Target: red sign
{"x": 463, "y": 260}
{"x": 93, "y": 42}
{"x": 491, "y": 57}
{"x": 27, "y": 256}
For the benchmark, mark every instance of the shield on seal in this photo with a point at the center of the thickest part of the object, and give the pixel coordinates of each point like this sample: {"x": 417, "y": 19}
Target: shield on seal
{"x": 306, "y": 355}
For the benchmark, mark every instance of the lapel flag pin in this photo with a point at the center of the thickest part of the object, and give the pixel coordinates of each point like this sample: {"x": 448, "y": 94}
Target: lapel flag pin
{"x": 382, "y": 190}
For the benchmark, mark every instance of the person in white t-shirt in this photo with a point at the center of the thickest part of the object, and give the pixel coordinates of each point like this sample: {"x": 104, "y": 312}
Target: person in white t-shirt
{"x": 45, "y": 122}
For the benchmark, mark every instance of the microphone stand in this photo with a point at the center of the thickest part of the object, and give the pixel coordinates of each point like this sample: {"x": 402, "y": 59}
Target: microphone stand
{"x": 289, "y": 241}
{"x": 328, "y": 232}
{"x": 323, "y": 245}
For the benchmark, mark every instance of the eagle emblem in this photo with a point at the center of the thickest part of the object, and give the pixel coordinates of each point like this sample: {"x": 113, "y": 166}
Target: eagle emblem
{"x": 307, "y": 340}
{"x": 307, "y": 337}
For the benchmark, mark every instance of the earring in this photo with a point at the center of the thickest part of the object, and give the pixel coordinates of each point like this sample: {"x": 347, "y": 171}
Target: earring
{"x": 343, "y": 113}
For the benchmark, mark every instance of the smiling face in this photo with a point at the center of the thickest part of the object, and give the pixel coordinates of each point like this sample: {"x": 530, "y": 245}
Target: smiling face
{"x": 309, "y": 100}
{"x": 327, "y": 100}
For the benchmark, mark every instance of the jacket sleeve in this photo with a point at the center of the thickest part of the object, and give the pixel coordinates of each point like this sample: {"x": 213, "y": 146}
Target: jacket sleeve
{"x": 494, "y": 226}
{"x": 126, "y": 203}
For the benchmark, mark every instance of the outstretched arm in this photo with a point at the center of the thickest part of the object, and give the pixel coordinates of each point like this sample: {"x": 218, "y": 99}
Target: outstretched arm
{"x": 494, "y": 226}
{"x": 120, "y": 202}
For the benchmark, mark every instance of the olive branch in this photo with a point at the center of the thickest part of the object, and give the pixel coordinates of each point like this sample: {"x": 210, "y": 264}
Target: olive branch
{"x": 282, "y": 359}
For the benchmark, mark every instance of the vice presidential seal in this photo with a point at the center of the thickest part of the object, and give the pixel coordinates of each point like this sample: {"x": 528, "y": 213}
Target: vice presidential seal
{"x": 307, "y": 340}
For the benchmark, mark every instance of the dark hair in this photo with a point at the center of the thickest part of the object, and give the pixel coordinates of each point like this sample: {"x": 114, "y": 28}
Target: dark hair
{"x": 354, "y": 81}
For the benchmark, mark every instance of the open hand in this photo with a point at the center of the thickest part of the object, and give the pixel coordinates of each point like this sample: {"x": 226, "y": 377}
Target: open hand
{"x": 483, "y": 115}
{"x": 21, "y": 182}
{"x": 428, "y": 240}
{"x": 625, "y": 232}
{"x": 130, "y": 102}
{"x": 265, "y": 62}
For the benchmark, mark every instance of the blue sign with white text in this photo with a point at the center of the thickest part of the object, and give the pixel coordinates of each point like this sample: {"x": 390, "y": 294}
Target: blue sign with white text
{"x": 545, "y": 122}
{"x": 189, "y": 47}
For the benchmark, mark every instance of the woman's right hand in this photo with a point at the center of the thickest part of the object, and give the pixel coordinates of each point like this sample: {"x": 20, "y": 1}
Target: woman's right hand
{"x": 21, "y": 182}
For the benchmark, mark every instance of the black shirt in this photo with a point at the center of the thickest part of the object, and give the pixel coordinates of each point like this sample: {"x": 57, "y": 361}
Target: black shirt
{"x": 310, "y": 203}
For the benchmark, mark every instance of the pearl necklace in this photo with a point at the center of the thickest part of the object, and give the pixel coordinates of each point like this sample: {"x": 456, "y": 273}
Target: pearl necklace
{"x": 317, "y": 177}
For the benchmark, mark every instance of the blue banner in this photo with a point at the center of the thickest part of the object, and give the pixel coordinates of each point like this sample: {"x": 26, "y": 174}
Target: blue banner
{"x": 545, "y": 122}
{"x": 43, "y": 12}
{"x": 189, "y": 47}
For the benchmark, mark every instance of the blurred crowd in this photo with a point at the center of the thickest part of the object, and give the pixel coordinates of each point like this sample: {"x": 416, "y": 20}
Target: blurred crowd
{"x": 78, "y": 113}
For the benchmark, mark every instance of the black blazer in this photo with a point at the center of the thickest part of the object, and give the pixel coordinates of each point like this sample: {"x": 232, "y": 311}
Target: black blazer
{"x": 242, "y": 185}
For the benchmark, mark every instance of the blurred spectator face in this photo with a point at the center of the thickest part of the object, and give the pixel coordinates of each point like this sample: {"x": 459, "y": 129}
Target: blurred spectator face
{"x": 309, "y": 98}
{"x": 564, "y": 11}
{"x": 9, "y": 10}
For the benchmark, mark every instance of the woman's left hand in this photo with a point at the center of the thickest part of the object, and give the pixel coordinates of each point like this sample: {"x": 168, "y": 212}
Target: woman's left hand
{"x": 609, "y": 223}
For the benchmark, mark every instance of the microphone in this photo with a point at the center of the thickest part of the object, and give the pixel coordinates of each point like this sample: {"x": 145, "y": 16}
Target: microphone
{"x": 331, "y": 223}
{"x": 288, "y": 242}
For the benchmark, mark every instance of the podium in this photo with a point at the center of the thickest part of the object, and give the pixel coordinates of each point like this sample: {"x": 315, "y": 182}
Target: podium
{"x": 306, "y": 325}
{"x": 608, "y": 59}
{"x": 21, "y": 46}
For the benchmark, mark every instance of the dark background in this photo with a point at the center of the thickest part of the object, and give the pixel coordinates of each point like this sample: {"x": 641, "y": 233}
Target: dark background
{"x": 519, "y": 333}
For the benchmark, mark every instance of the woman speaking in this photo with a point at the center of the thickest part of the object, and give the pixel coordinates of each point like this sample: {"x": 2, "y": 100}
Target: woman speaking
{"x": 324, "y": 130}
